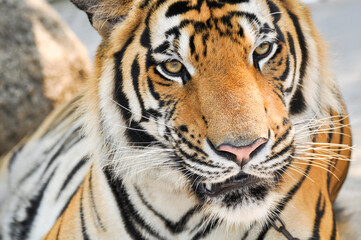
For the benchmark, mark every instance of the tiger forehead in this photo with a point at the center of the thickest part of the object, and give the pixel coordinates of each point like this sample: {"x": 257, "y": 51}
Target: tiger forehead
{"x": 208, "y": 8}
{"x": 203, "y": 18}
{"x": 210, "y": 21}
{"x": 204, "y": 13}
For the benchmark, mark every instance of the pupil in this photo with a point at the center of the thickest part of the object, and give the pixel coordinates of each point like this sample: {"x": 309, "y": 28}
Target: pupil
{"x": 174, "y": 66}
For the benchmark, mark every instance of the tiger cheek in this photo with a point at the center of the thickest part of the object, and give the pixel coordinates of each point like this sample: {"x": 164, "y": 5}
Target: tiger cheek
{"x": 274, "y": 105}
{"x": 189, "y": 114}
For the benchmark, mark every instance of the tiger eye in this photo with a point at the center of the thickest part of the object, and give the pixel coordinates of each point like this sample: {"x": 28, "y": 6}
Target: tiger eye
{"x": 173, "y": 66}
{"x": 263, "y": 49}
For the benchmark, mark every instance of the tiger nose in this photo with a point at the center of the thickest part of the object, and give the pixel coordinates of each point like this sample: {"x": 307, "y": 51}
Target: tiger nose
{"x": 244, "y": 153}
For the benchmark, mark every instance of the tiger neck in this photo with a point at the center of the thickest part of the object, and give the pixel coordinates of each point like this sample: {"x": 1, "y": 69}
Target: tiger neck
{"x": 149, "y": 194}
{"x": 156, "y": 209}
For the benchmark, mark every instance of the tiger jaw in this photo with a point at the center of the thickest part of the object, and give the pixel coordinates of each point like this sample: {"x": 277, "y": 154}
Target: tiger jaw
{"x": 234, "y": 190}
{"x": 239, "y": 181}
{"x": 254, "y": 200}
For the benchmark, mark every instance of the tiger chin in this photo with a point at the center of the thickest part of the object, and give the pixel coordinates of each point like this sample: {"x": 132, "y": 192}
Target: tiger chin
{"x": 205, "y": 119}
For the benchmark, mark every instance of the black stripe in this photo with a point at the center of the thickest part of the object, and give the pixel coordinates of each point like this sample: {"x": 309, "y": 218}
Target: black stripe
{"x": 138, "y": 135}
{"x": 144, "y": 4}
{"x": 68, "y": 201}
{"x": 329, "y": 140}
{"x": 64, "y": 147}
{"x": 334, "y": 227}
{"x": 174, "y": 31}
{"x": 174, "y": 227}
{"x": 119, "y": 94}
{"x": 60, "y": 225}
{"x": 341, "y": 137}
{"x": 226, "y": 19}
{"x": 265, "y": 29}
{"x": 298, "y": 103}
{"x": 178, "y": 8}
{"x": 153, "y": 113}
{"x": 158, "y": 4}
{"x": 135, "y": 71}
{"x": 191, "y": 146}
{"x": 155, "y": 94}
{"x": 72, "y": 173}
{"x": 68, "y": 111}
{"x": 193, "y": 158}
{"x": 94, "y": 207}
{"x": 280, "y": 153}
{"x": 320, "y": 211}
{"x": 282, "y": 138}
{"x": 129, "y": 214}
{"x": 291, "y": 45}
{"x": 287, "y": 70}
{"x": 83, "y": 225}
{"x": 280, "y": 172}
{"x": 338, "y": 152}
{"x": 149, "y": 62}
{"x": 215, "y": 4}
{"x": 276, "y": 14}
{"x": 14, "y": 156}
{"x": 30, "y": 172}
{"x": 21, "y": 230}
{"x": 279, "y": 96}
{"x": 170, "y": 113}
{"x": 246, "y": 234}
{"x": 204, "y": 40}
{"x": 234, "y": 1}
{"x": 120, "y": 97}
{"x": 191, "y": 44}
{"x": 288, "y": 161}
{"x": 204, "y": 232}
{"x": 162, "y": 48}
{"x": 198, "y": 170}
{"x": 185, "y": 6}
{"x": 200, "y": 26}
{"x": 252, "y": 18}
{"x": 145, "y": 38}
{"x": 285, "y": 200}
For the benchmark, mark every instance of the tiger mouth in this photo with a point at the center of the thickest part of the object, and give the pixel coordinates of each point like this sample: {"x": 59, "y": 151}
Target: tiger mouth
{"x": 239, "y": 181}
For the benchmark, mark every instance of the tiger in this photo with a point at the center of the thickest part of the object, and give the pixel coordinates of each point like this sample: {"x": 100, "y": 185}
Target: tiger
{"x": 203, "y": 119}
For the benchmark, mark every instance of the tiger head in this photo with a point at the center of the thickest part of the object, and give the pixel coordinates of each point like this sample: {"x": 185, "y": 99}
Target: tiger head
{"x": 206, "y": 91}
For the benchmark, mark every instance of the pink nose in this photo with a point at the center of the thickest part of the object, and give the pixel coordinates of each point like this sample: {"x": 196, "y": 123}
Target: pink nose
{"x": 243, "y": 154}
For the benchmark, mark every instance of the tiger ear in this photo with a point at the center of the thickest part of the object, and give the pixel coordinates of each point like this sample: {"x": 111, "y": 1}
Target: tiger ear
{"x": 104, "y": 14}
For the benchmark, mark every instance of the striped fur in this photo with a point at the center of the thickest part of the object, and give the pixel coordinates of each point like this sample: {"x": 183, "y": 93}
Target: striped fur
{"x": 150, "y": 139}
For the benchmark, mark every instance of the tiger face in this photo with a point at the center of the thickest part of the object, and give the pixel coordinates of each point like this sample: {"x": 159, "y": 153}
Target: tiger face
{"x": 212, "y": 85}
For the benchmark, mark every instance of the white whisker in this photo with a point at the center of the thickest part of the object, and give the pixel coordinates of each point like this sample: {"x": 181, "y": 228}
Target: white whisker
{"x": 150, "y": 119}
{"x": 321, "y": 167}
{"x": 299, "y": 170}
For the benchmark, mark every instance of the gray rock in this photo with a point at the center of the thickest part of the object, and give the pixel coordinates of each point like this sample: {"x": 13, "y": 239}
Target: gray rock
{"x": 42, "y": 64}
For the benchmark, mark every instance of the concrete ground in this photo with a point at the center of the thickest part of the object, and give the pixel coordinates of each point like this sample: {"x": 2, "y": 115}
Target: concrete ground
{"x": 339, "y": 22}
